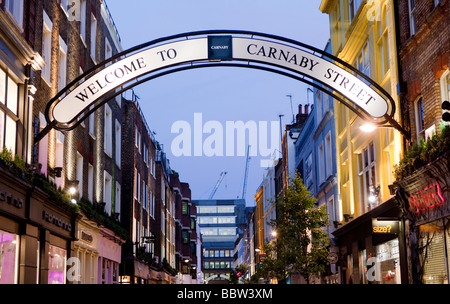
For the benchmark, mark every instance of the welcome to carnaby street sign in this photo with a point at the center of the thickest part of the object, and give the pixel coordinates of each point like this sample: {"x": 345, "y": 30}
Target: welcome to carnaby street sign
{"x": 218, "y": 48}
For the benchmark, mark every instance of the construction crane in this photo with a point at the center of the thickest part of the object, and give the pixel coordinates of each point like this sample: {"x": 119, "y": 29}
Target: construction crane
{"x": 222, "y": 175}
{"x": 247, "y": 162}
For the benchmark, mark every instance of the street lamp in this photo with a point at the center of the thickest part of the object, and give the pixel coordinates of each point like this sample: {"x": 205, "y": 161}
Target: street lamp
{"x": 367, "y": 127}
{"x": 72, "y": 188}
{"x": 274, "y": 233}
{"x": 373, "y": 196}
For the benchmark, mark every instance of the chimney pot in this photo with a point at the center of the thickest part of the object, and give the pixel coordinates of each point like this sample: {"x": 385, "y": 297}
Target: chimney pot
{"x": 300, "y": 111}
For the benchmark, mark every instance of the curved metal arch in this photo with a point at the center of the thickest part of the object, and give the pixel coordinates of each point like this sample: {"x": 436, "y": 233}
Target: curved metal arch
{"x": 77, "y": 122}
{"x": 388, "y": 118}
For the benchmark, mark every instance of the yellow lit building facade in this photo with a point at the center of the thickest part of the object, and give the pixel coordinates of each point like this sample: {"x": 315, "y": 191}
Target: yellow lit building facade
{"x": 363, "y": 35}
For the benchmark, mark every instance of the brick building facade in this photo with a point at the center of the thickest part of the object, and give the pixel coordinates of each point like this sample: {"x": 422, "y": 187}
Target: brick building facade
{"x": 424, "y": 44}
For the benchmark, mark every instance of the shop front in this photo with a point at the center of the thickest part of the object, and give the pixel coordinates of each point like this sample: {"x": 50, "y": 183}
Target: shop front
{"x": 36, "y": 234}
{"x": 425, "y": 198}
{"x": 372, "y": 247}
{"x": 86, "y": 251}
{"x": 13, "y": 195}
{"x": 56, "y": 234}
{"x": 109, "y": 256}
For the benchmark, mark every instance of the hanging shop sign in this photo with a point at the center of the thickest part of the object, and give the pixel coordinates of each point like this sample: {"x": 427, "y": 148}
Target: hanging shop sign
{"x": 385, "y": 226}
{"x": 426, "y": 198}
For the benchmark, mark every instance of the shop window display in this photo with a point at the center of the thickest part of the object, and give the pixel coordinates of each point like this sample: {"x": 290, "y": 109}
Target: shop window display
{"x": 388, "y": 255}
{"x": 8, "y": 258}
{"x": 57, "y": 265}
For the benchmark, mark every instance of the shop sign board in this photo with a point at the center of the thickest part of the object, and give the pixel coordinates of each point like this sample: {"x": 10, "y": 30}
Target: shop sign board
{"x": 385, "y": 226}
{"x": 426, "y": 198}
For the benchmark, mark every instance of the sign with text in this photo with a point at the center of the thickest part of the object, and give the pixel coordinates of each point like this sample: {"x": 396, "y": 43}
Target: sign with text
{"x": 314, "y": 67}
{"x": 385, "y": 226}
{"x": 125, "y": 70}
{"x": 426, "y": 198}
{"x": 220, "y": 48}
{"x": 204, "y": 51}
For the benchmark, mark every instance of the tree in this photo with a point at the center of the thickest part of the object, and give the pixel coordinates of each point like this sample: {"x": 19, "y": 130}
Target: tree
{"x": 301, "y": 244}
{"x": 239, "y": 272}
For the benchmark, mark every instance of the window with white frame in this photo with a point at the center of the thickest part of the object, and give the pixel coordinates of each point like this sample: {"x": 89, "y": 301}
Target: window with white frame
{"x": 15, "y": 8}
{"x": 108, "y": 130}
{"x": 108, "y": 50}
{"x": 118, "y": 198}
{"x": 90, "y": 183}
{"x": 420, "y": 120}
{"x": 107, "y": 191}
{"x": 321, "y": 159}
{"x": 136, "y": 183}
{"x": 332, "y": 209}
{"x": 47, "y": 47}
{"x": 79, "y": 174}
{"x": 445, "y": 87}
{"x": 92, "y": 122}
{"x": 9, "y": 98}
{"x": 118, "y": 143}
{"x": 152, "y": 203}
{"x": 83, "y": 20}
{"x": 59, "y": 155}
{"x": 353, "y": 7}
{"x": 144, "y": 195}
{"x": 319, "y": 105}
{"x": 93, "y": 46}
{"x": 328, "y": 156}
{"x": 65, "y": 6}
{"x": 367, "y": 174}
{"x": 43, "y": 145}
{"x": 383, "y": 44}
{"x": 362, "y": 62}
{"x": 412, "y": 17}
{"x": 62, "y": 64}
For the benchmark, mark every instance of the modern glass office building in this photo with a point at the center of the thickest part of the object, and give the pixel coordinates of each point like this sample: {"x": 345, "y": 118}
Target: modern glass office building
{"x": 221, "y": 224}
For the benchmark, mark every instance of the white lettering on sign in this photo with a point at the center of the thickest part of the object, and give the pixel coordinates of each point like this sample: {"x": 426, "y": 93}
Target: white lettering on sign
{"x": 125, "y": 70}
{"x": 315, "y": 67}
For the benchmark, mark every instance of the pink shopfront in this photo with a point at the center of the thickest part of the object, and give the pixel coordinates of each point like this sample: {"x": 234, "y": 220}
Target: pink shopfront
{"x": 109, "y": 256}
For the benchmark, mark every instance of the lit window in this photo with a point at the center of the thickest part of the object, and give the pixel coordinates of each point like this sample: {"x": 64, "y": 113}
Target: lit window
{"x": 9, "y": 261}
{"x": 56, "y": 265}
{"x": 367, "y": 174}
{"x": 47, "y": 47}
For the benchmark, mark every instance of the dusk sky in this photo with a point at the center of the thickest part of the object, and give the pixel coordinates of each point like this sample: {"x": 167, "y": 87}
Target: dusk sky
{"x": 219, "y": 94}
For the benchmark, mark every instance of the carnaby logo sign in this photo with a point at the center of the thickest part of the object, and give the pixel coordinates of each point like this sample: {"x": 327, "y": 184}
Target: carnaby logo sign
{"x": 195, "y": 50}
{"x": 220, "y": 47}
